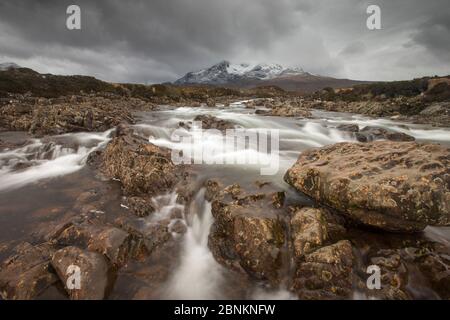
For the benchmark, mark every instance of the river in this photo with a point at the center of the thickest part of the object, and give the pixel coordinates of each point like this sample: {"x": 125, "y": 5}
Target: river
{"x": 41, "y": 180}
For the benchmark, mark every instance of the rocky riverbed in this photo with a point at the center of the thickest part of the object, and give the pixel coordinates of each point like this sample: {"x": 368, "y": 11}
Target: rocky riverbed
{"x": 92, "y": 182}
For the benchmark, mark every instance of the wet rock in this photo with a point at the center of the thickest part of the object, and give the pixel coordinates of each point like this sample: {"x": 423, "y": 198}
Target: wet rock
{"x": 146, "y": 236}
{"x": 247, "y": 235}
{"x": 326, "y": 273}
{"x": 94, "y": 159}
{"x": 435, "y": 265}
{"x": 348, "y": 127}
{"x": 210, "y": 102}
{"x": 114, "y": 243}
{"x": 394, "y": 275}
{"x": 95, "y": 277}
{"x": 141, "y": 207}
{"x": 27, "y": 274}
{"x": 312, "y": 228}
{"x": 411, "y": 266}
{"x": 211, "y": 122}
{"x": 212, "y": 188}
{"x": 178, "y": 226}
{"x": 395, "y": 186}
{"x": 369, "y": 133}
{"x": 284, "y": 108}
{"x": 142, "y": 168}
{"x": 285, "y": 111}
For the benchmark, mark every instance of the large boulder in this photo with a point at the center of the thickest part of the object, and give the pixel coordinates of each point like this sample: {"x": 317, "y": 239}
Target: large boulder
{"x": 144, "y": 169}
{"x": 395, "y": 186}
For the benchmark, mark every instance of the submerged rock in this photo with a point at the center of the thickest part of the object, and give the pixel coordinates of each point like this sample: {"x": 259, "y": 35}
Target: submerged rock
{"x": 395, "y": 186}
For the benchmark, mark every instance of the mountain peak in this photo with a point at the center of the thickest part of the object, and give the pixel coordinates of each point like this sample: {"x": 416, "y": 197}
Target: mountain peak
{"x": 225, "y": 72}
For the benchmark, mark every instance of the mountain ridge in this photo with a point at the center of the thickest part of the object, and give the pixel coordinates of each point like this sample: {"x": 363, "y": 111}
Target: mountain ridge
{"x": 245, "y": 75}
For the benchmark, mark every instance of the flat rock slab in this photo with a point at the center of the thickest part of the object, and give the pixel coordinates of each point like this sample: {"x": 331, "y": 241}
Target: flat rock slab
{"x": 395, "y": 186}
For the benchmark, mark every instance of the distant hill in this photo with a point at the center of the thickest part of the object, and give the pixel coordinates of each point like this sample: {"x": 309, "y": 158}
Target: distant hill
{"x": 17, "y": 80}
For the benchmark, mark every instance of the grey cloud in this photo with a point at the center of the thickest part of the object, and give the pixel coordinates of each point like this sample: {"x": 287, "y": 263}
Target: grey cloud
{"x": 434, "y": 35}
{"x": 354, "y": 48}
{"x": 160, "y": 40}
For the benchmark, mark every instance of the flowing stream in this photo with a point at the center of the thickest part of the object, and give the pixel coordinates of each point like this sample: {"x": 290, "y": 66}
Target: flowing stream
{"x": 46, "y": 175}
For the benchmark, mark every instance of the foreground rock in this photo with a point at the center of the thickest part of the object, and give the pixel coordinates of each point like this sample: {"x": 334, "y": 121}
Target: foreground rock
{"x": 312, "y": 228}
{"x": 395, "y": 186}
{"x": 94, "y": 272}
{"x": 326, "y": 273}
{"x": 142, "y": 168}
{"x": 247, "y": 234}
{"x": 114, "y": 243}
{"x": 27, "y": 274}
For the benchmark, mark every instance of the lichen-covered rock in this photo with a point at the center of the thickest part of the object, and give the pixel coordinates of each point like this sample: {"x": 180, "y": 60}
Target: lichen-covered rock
{"x": 258, "y": 242}
{"x": 395, "y": 186}
{"x": 368, "y": 134}
{"x": 326, "y": 273}
{"x": 211, "y": 122}
{"x": 70, "y": 114}
{"x": 247, "y": 234}
{"x": 95, "y": 276}
{"x": 141, "y": 207}
{"x": 145, "y": 236}
{"x": 312, "y": 228}
{"x": 142, "y": 168}
{"x": 285, "y": 110}
{"x": 114, "y": 243}
{"x": 26, "y": 274}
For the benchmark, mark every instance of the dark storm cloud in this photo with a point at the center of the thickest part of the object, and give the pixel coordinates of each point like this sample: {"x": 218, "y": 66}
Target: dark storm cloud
{"x": 159, "y": 40}
{"x": 434, "y": 35}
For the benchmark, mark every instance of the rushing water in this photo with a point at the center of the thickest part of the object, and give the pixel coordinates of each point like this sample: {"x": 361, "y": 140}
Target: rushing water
{"x": 48, "y": 174}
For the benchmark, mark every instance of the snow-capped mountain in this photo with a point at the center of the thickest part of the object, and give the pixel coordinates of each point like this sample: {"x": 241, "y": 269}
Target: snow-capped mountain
{"x": 246, "y": 75}
{"x": 8, "y": 65}
{"x": 227, "y": 73}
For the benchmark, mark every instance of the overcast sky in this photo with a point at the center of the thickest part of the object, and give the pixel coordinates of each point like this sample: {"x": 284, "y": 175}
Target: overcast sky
{"x": 160, "y": 40}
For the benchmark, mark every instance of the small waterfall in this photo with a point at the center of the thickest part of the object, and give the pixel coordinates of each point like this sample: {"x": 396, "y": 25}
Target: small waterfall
{"x": 198, "y": 276}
